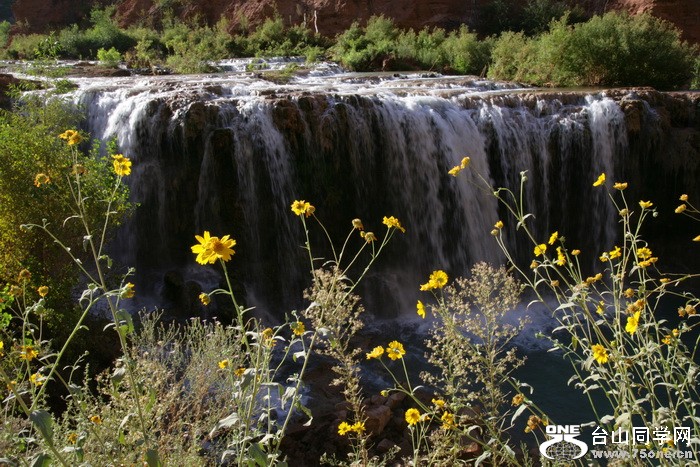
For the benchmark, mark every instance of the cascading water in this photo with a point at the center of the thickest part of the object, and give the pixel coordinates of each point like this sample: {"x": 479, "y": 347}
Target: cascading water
{"x": 229, "y": 154}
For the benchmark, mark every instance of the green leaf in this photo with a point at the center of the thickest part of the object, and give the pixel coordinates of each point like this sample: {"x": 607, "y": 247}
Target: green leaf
{"x": 43, "y": 422}
{"x": 227, "y": 422}
{"x": 118, "y": 376}
{"x": 152, "y": 458}
{"x": 41, "y": 460}
{"x": 257, "y": 454}
{"x": 518, "y": 412}
{"x": 126, "y": 324}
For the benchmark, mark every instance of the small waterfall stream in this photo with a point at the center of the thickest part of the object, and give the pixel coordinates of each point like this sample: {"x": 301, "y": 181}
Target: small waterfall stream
{"x": 230, "y": 153}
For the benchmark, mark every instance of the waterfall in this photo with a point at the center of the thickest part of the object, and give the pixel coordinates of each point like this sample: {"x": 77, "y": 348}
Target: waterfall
{"x": 230, "y": 156}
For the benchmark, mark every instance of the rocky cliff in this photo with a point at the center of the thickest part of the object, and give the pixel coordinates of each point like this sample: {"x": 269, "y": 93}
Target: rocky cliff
{"x": 332, "y": 16}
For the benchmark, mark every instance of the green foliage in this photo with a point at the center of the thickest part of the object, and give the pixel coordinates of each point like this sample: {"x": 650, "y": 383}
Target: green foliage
{"x": 363, "y": 49}
{"x": 30, "y": 146}
{"x": 4, "y": 33}
{"x": 110, "y": 58}
{"x": 105, "y": 33}
{"x": 611, "y": 50}
{"x": 465, "y": 54}
{"x": 366, "y": 49}
{"x": 695, "y": 82}
{"x": 192, "y": 47}
{"x": 273, "y": 39}
{"x": 23, "y": 46}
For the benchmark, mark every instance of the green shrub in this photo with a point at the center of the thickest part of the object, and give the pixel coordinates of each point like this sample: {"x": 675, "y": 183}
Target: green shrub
{"x": 465, "y": 54}
{"x": 611, "y": 50}
{"x": 363, "y": 49}
{"x": 110, "y": 58}
{"x": 105, "y": 33}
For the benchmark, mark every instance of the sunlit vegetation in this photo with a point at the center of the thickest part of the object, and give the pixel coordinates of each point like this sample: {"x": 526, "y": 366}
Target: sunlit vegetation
{"x": 541, "y": 42}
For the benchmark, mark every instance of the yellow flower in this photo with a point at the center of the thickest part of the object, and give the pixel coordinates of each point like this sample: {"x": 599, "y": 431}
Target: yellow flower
{"x": 437, "y": 280}
{"x": 43, "y": 291}
{"x": 377, "y": 352}
{"x": 393, "y": 222}
{"x": 561, "y": 258}
{"x": 575, "y": 252}
{"x": 412, "y": 416}
{"x": 697, "y": 239}
{"x": 384, "y": 393}
{"x": 540, "y": 249}
{"x": 646, "y": 204}
{"x": 600, "y": 181}
{"x": 420, "y": 309}
{"x": 121, "y": 164}
{"x": 15, "y": 291}
{"x": 532, "y": 423}
{"x": 616, "y": 253}
{"x": 395, "y": 350}
{"x": 600, "y": 353}
{"x": 644, "y": 253}
{"x": 211, "y": 248}
{"x": 73, "y": 438}
{"x": 604, "y": 257}
{"x": 553, "y": 238}
{"x": 632, "y": 323}
{"x": 344, "y": 428}
{"x": 223, "y": 364}
{"x": 72, "y": 137}
{"x": 440, "y": 403}
{"x": 239, "y": 371}
{"x": 128, "y": 291}
{"x": 96, "y": 419}
{"x": 629, "y": 293}
{"x": 266, "y": 334}
{"x": 683, "y": 197}
{"x": 458, "y": 168}
{"x": 454, "y": 171}
{"x": 599, "y": 309}
{"x": 301, "y": 207}
{"x": 681, "y": 208}
{"x": 41, "y": 179}
{"x": 358, "y": 427}
{"x": 2, "y": 347}
{"x": 205, "y": 299}
{"x": 298, "y": 328}
{"x": 620, "y": 186}
{"x": 27, "y": 353}
{"x": 357, "y": 224}
{"x": 369, "y": 237}
{"x": 498, "y": 225}
{"x": 24, "y": 275}
{"x": 518, "y": 399}
{"x": 554, "y": 283}
{"x": 36, "y": 379}
{"x": 448, "y": 421}
{"x": 689, "y": 310}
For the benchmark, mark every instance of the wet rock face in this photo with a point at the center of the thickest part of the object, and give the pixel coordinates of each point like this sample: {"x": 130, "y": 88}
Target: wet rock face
{"x": 329, "y": 17}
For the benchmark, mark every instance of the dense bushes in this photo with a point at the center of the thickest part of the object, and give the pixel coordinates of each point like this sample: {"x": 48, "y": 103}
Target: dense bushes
{"x": 611, "y": 50}
{"x": 382, "y": 45}
{"x": 536, "y": 48}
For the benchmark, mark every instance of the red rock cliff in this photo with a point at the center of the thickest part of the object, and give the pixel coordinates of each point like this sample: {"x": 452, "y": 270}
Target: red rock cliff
{"x": 333, "y": 16}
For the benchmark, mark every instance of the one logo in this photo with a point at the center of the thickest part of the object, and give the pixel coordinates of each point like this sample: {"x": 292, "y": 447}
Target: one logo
{"x": 563, "y": 445}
